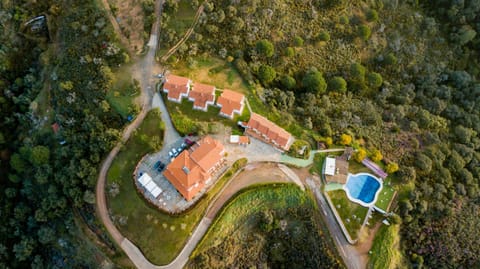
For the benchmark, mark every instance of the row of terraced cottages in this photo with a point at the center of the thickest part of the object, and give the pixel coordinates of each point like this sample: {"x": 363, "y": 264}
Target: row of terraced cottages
{"x": 203, "y": 95}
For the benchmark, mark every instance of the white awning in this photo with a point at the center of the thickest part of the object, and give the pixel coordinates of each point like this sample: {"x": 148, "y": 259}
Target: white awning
{"x": 156, "y": 191}
{"x": 150, "y": 186}
{"x": 330, "y": 166}
{"x": 144, "y": 179}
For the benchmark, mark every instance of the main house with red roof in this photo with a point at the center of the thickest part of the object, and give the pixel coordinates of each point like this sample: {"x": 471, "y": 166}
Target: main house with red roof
{"x": 190, "y": 171}
{"x": 176, "y": 87}
{"x": 231, "y": 102}
{"x": 263, "y": 129}
{"x": 202, "y": 95}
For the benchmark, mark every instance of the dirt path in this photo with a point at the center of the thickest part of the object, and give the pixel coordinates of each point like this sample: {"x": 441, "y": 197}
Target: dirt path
{"x": 185, "y": 37}
{"x": 115, "y": 25}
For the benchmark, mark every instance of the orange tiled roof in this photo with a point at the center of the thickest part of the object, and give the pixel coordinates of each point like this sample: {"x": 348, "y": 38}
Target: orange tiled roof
{"x": 189, "y": 171}
{"x": 244, "y": 139}
{"x": 208, "y": 153}
{"x": 202, "y": 93}
{"x": 269, "y": 129}
{"x": 176, "y": 86}
{"x": 230, "y": 101}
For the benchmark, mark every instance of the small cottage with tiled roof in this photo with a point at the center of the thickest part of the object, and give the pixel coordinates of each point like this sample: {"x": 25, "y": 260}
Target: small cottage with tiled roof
{"x": 190, "y": 171}
{"x": 263, "y": 129}
{"x": 231, "y": 102}
{"x": 176, "y": 87}
{"x": 202, "y": 95}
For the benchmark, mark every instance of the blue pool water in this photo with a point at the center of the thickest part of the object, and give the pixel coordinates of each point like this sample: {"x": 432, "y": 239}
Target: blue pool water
{"x": 363, "y": 187}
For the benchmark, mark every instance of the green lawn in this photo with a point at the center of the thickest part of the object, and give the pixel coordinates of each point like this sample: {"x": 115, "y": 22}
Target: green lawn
{"x": 196, "y": 116}
{"x": 355, "y": 167}
{"x": 385, "y": 196}
{"x": 346, "y": 209}
{"x": 212, "y": 70}
{"x": 159, "y": 236}
{"x": 385, "y": 252}
{"x": 183, "y": 19}
{"x": 123, "y": 92}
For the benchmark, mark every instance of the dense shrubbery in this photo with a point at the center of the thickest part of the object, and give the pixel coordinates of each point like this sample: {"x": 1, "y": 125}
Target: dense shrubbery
{"x": 43, "y": 179}
{"x": 407, "y": 93}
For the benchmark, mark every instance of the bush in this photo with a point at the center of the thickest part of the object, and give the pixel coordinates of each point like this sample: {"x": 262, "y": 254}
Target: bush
{"x": 266, "y": 74}
{"x": 357, "y": 72}
{"x": 298, "y": 41}
{"x": 346, "y": 139}
{"x": 324, "y": 36}
{"x": 374, "y": 80}
{"x": 343, "y": 20}
{"x": 288, "y": 82}
{"x": 314, "y": 82}
{"x": 364, "y": 32}
{"x": 289, "y": 52}
{"x": 265, "y": 48}
{"x": 359, "y": 155}
{"x": 390, "y": 59}
{"x": 372, "y": 15}
{"x": 337, "y": 84}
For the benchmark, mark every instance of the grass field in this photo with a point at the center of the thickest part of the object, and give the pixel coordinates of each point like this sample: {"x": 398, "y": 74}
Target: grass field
{"x": 211, "y": 115}
{"x": 347, "y": 209}
{"x": 385, "y": 196}
{"x": 159, "y": 236}
{"x": 123, "y": 93}
{"x": 385, "y": 249}
{"x": 214, "y": 71}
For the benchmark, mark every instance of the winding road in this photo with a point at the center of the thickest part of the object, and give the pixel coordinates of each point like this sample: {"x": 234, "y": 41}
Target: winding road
{"x": 143, "y": 70}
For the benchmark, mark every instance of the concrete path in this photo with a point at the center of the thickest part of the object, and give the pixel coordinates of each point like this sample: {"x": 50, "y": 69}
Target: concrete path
{"x": 171, "y": 135}
{"x": 349, "y": 253}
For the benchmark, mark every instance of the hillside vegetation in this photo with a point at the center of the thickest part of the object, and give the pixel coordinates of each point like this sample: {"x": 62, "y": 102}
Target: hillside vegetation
{"x": 397, "y": 76}
{"x": 276, "y": 226}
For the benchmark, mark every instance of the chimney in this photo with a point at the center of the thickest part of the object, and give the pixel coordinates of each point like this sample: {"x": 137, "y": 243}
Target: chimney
{"x": 186, "y": 170}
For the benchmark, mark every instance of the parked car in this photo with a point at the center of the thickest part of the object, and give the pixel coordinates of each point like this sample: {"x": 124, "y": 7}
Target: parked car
{"x": 170, "y": 154}
{"x": 161, "y": 167}
{"x": 157, "y": 164}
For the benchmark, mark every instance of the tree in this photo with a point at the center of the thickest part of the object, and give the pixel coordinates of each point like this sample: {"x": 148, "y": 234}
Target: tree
{"x": 364, "y": 32}
{"x": 345, "y": 139}
{"x": 288, "y": 82}
{"x": 374, "y": 80}
{"x": 40, "y": 155}
{"x": 324, "y": 36}
{"x": 298, "y": 41}
{"x": 266, "y": 74}
{"x": 343, "y": 20}
{"x": 314, "y": 82}
{"x": 289, "y": 52}
{"x": 337, "y": 84}
{"x": 357, "y": 72}
{"x": 424, "y": 163}
{"x": 265, "y": 48}
{"x": 376, "y": 155}
{"x": 390, "y": 59}
{"x": 46, "y": 235}
{"x": 392, "y": 167}
{"x": 359, "y": 155}
{"x": 372, "y": 15}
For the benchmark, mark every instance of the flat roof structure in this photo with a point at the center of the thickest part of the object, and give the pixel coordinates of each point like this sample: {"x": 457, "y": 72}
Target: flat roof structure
{"x": 231, "y": 102}
{"x": 202, "y": 96}
{"x": 330, "y": 166}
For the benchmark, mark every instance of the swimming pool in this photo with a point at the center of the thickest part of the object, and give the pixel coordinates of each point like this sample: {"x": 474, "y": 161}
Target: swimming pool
{"x": 363, "y": 188}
